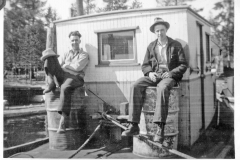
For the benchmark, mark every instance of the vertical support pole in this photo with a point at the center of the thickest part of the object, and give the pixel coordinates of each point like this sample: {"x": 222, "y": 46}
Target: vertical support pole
{"x": 30, "y": 74}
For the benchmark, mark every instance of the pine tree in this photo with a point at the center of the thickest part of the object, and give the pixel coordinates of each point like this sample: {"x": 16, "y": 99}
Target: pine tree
{"x": 51, "y": 15}
{"x": 224, "y": 24}
{"x": 113, "y": 5}
{"x": 90, "y": 6}
{"x": 162, "y": 3}
{"x": 18, "y": 19}
{"x": 136, "y": 4}
{"x": 32, "y": 45}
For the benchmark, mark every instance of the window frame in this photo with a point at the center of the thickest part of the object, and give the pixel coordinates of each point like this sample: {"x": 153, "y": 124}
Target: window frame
{"x": 208, "y": 48}
{"x": 117, "y": 62}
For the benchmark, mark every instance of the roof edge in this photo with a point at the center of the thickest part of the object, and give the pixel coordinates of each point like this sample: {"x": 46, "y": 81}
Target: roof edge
{"x": 131, "y": 11}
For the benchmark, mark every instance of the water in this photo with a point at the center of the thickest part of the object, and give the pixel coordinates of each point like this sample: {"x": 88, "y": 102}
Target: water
{"x": 23, "y": 129}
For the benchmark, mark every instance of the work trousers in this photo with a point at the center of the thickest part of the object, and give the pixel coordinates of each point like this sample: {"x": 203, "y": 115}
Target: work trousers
{"x": 67, "y": 83}
{"x": 137, "y": 98}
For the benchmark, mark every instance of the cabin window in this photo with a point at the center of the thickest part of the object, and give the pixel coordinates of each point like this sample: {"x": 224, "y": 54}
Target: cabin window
{"x": 208, "y": 56}
{"x": 117, "y": 47}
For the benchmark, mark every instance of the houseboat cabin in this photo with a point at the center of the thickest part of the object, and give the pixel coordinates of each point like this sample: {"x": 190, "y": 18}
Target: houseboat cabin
{"x": 117, "y": 41}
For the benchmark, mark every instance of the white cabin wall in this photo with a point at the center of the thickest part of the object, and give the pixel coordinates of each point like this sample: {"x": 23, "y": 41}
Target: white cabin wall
{"x": 143, "y": 38}
{"x": 113, "y": 83}
{"x": 195, "y": 122}
{"x": 122, "y": 76}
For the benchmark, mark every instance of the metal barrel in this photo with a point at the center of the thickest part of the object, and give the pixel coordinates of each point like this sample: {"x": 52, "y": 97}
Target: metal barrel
{"x": 75, "y": 133}
{"x": 149, "y": 129}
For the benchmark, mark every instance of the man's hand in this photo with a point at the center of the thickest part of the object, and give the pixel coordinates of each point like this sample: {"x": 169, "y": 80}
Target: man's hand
{"x": 152, "y": 76}
{"x": 166, "y": 75}
{"x": 65, "y": 65}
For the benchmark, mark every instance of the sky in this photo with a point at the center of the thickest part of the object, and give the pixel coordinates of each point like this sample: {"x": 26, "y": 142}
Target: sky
{"x": 62, "y": 6}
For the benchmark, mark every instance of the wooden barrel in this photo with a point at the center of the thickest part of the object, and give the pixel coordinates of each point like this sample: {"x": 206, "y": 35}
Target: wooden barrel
{"x": 148, "y": 128}
{"x": 75, "y": 133}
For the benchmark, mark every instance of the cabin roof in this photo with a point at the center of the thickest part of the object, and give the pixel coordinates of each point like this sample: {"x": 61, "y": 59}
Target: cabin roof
{"x": 135, "y": 10}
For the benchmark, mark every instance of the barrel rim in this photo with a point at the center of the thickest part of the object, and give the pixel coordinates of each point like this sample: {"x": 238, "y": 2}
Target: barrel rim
{"x": 169, "y": 111}
{"x": 67, "y": 129}
{"x": 165, "y": 135}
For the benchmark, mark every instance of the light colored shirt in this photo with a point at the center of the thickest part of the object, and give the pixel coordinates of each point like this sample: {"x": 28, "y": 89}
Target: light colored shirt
{"x": 162, "y": 52}
{"x": 74, "y": 63}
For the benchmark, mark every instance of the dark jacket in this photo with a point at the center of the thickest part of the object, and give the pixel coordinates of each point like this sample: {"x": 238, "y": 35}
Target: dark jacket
{"x": 176, "y": 61}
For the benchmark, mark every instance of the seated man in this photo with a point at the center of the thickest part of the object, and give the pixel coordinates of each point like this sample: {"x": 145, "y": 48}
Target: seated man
{"x": 67, "y": 73}
{"x": 164, "y": 65}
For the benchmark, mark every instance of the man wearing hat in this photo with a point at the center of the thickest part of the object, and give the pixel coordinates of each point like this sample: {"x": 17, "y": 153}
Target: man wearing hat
{"x": 163, "y": 66}
{"x": 67, "y": 73}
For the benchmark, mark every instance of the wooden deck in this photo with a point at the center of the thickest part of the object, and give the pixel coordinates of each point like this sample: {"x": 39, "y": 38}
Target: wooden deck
{"x": 217, "y": 142}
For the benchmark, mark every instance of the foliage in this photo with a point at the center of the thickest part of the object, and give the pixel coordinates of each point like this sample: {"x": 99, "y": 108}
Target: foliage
{"x": 113, "y": 5}
{"x": 31, "y": 46}
{"x": 171, "y": 2}
{"x": 90, "y": 6}
{"x": 162, "y": 3}
{"x": 88, "y": 9}
{"x": 51, "y": 15}
{"x": 224, "y": 24}
{"x": 136, "y": 4}
{"x": 22, "y": 19}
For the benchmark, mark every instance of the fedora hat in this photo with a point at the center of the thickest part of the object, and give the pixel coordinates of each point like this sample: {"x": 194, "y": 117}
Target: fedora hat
{"x": 159, "y": 21}
{"x": 48, "y": 53}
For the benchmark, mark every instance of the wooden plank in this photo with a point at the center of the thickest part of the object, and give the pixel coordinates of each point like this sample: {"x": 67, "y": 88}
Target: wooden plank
{"x": 215, "y": 150}
{"x": 224, "y": 152}
{"x": 24, "y": 147}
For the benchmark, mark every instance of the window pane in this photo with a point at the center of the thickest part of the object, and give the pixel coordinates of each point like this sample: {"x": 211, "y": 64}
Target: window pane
{"x": 117, "y": 46}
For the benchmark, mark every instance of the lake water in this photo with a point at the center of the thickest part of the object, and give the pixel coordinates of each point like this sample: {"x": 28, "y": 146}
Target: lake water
{"x": 23, "y": 129}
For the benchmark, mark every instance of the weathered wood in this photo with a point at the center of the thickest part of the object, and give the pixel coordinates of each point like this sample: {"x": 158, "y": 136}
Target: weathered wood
{"x": 51, "y": 38}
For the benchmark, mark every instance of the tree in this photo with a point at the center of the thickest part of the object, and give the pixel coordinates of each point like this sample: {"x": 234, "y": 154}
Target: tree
{"x": 162, "y": 3}
{"x": 51, "y": 15}
{"x": 90, "y": 6}
{"x": 88, "y": 9}
{"x": 113, "y": 5}
{"x": 171, "y": 2}
{"x": 136, "y": 4}
{"x": 224, "y": 24}
{"x": 17, "y": 18}
{"x": 32, "y": 45}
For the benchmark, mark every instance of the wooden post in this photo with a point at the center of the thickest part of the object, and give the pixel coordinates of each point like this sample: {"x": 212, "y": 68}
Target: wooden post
{"x": 51, "y": 37}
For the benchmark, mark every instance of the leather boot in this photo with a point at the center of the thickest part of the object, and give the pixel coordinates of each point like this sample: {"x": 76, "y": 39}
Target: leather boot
{"x": 50, "y": 84}
{"x": 132, "y": 130}
{"x": 159, "y": 136}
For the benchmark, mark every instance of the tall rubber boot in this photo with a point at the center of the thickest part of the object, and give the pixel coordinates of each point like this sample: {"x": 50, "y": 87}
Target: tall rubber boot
{"x": 51, "y": 86}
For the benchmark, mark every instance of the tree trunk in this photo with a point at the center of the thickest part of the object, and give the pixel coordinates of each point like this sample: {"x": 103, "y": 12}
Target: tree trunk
{"x": 79, "y": 7}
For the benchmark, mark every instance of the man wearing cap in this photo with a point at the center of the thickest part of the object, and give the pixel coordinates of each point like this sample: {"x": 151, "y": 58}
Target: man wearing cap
{"x": 163, "y": 66}
{"x": 67, "y": 73}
